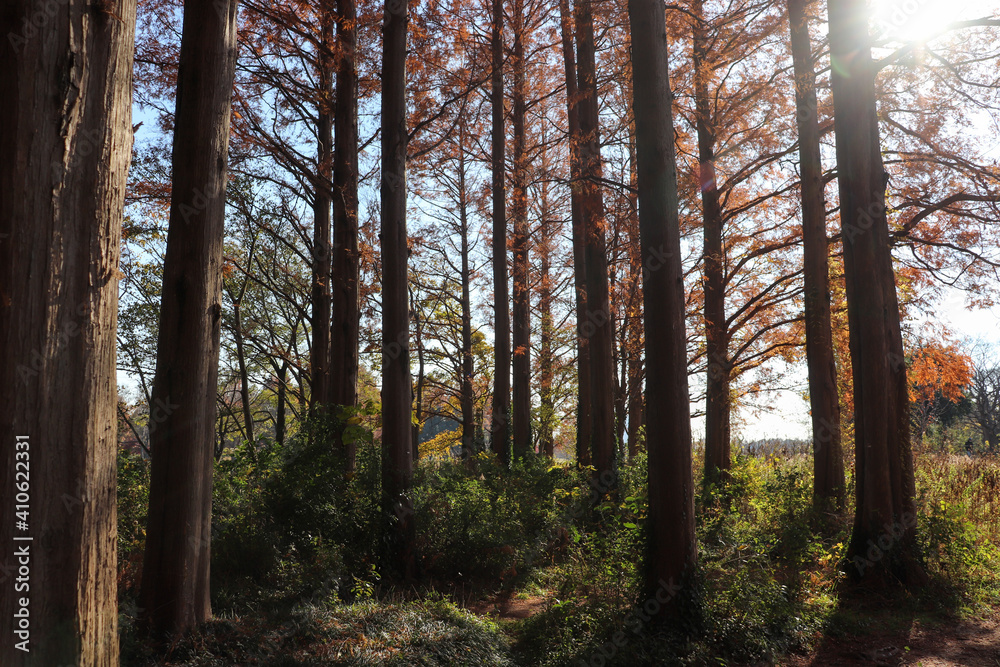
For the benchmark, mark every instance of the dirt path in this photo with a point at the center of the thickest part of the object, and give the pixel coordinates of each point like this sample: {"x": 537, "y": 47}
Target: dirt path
{"x": 973, "y": 643}
{"x": 508, "y": 609}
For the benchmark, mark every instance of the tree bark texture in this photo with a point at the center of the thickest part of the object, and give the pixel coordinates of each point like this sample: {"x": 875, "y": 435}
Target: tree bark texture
{"x": 885, "y": 507}
{"x": 175, "y": 576}
{"x": 672, "y": 552}
{"x": 828, "y": 460}
{"x": 397, "y": 398}
{"x": 66, "y": 142}
{"x": 500, "y": 423}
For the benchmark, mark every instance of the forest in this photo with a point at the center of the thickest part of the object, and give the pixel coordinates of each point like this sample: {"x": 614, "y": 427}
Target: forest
{"x": 499, "y": 332}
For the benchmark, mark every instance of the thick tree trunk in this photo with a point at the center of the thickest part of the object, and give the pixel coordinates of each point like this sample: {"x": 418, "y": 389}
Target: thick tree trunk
{"x": 583, "y": 422}
{"x": 521, "y": 307}
{"x": 885, "y": 510}
{"x": 500, "y": 424}
{"x": 397, "y": 399}
{"x": 672, "y": 547}
{"x": 319, "y": 361}
{"x": 828, "y": 461}
{"x": 717, "y": 403}
{"x": 66, "y": 143}
{"x": 175, "y": 573}
{"x": 345, "y": 332}
{"x": 597, "y": 326}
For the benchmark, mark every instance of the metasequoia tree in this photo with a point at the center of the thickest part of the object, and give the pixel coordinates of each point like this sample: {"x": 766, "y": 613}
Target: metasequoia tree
{"x": 66, "y": 143}
{"x": 521, "y": 304}
{"x": 672, "y": 552}
{"x": 939, "y": 375}
{"x": 583, "y": 421}
{"x": 175, "y": 573}
{"x": 828, "y": 463}
{"x": 397, "y": 434}
{"x": 444, "y": 278}
{"x": 300, "y": 129}
{"x": 717, "y": 405}
{"x": 597, "y": 326}
{"x": 750, "y": 279}
{"x": 500, "y": 423}
{"x": 346, "y": 268}
{"x": 883, "y": 460}
{"x": 322, "y": 199}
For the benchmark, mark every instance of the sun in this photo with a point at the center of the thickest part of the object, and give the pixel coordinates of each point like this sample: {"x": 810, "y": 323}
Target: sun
{"x": 911, "y": 20}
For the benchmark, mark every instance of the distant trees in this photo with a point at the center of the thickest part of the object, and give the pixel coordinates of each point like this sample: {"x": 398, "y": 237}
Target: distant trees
{"x": 65, "y": 147}
{"x": 939, "y": 374}
{"x": 175, "y": 586}
{"x": 985, "y": 395}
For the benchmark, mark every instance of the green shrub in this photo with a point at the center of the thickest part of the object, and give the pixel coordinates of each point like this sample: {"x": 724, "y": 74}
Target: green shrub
{"x": 133, "y": 504}
{"x": 490, "y": 522}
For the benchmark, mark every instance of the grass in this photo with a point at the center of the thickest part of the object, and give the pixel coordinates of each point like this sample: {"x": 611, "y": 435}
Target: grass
{"x": 363, "y": 634}
{"x": 769, "y": 582}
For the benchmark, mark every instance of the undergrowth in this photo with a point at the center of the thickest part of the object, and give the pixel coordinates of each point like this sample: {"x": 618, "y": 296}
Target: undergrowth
{"x": 298, "y": 577}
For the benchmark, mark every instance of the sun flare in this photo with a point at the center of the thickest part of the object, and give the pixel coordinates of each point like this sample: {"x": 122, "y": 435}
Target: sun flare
{"x": 911, "y": 20}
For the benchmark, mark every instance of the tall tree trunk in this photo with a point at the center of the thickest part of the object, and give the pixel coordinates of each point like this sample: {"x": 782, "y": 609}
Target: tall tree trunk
{"x": 717, "y": 403}
{"x": 633, "y": 326}
{"x": 521, "y": 306}
{"x": 621, "y": 382}
{"x": 500, "y": 424}
{"x": 583, "y": 422}
{"x": 241, "y": 360}
{"x": 321, "y": 309}
{"x": 397, "y": 399}
{"x": 66, "y": 143}
{"x": 598, "y": 324}
{"x": 546, "y": 361}
{"x": 418, "y": 386}
{"x": 175, "y": 572}
{"x": 468, "y": 397}
{"x": 885, "y": 507}
{"x": 672, "y": 546}
{"x": 828, "y": 461}
{"x": 345, "y": 332}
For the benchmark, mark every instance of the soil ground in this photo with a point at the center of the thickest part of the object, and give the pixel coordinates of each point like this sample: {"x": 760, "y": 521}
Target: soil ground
{"x": 938, "y": 643}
